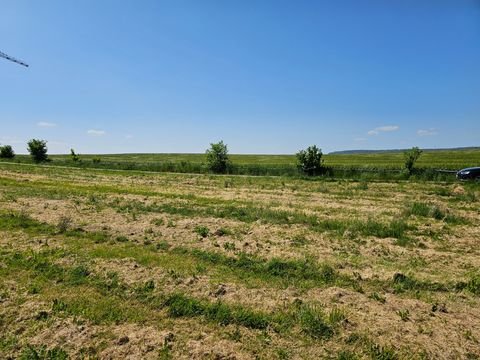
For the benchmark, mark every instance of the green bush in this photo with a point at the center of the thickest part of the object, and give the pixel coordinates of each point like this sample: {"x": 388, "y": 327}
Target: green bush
{"x": 411, "y": 156}
{"x": 74, "y": 156}
{"x": 217, "y": 158}
{"x": 309, "y": 161}
{"x": 6, "y": 152}
{"x": 38, "y": 150}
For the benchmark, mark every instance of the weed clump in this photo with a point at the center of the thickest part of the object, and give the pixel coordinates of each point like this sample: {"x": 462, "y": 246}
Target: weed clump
{"x": 64, "y": 223}
{"x": 201, "y": 230}
{"x": 121, "y": 238}
{"x": 404, "y": 314}
{"x": 378, "y": 297}
{"x": 223, "y": 232}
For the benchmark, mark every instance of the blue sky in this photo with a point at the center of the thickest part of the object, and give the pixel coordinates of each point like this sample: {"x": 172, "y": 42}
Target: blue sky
{"x": 265, "y": 76}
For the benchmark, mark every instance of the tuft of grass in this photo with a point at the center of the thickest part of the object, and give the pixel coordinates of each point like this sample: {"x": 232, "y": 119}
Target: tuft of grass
{"x": 362, "y": 185}
{"x": 313, "y": 323}
{"x": 163, "y": 245}
{"x": 13, "y": 221}
{"x": 229, "y": 246}
{"x": 121, "y": 238}
{"x": 223, "y": 231}
{"x": 378, "y": 352}
{"x": 203, "y": 231}
{"x": 404, "y": 314}
{"x": 157, "y": 222}
{"x": 78, "y": 275}
{"x": 299, "y": 240}
{"x": 64, "y": 223}
{"x": 42, "y": 353}
{"x": 442, "y": 191}
{"x": 180, "y": 305}
{"x": 378, "y": 297}
{"x": 403, "y": 283}
{"x": 472, "y": 284}
{"x": 432, "y": 211}
{"x": 419, "y": 209}
{"x": 143, "y": 291}
{"x": 336, "y": 316}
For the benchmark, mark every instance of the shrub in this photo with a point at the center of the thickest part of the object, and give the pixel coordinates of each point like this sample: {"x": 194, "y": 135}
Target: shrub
{"x": 38, "y": 150}
{"x": 217, "y": 158}
{"x": 411, "y": 156}
{"x": 309, "y": 161}
{"x": 6, "y": 152}
{"x": 74, "y": 156}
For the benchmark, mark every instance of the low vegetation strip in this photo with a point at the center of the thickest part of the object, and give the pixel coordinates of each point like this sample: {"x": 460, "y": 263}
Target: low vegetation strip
{"x": 433, "y": 211}
{"x": 397, "y": 228}
{"x": 305, "y": 272}
{"x": 266, "y": 164}
{"x": 111, "y": 296}
{"x": 244, "y": 211}
{"x": 289, "y": 270}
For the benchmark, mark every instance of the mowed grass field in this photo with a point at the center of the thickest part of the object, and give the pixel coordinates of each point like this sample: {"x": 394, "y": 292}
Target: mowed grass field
{"x": 124, "y": 264}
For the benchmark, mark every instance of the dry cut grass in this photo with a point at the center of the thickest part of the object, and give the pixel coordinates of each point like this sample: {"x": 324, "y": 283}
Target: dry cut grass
{"x": 101, "y": 264}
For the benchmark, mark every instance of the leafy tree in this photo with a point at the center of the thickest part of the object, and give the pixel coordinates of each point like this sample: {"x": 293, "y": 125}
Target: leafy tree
{"x": 38, "y": 150}
{"x": 217, "y": 158}
{"x": 309, "y": 161}
{"x": 74, "y": 156}
{"x": 6, "y": 152}
{"x": 411, "y": 156}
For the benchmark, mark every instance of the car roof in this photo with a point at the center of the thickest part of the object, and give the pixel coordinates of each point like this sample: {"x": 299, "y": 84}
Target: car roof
{"x": 471, "y": 168}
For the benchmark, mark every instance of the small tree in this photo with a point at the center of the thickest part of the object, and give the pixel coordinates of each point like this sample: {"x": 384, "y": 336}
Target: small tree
{"x": 309, "y": 161}
{"x": 6, "y": 152}
{"x": 411, "y": 157}
{"x": 38, "y": 150}
{"x": 217, "y": 157}
{"x": 74, "y": 156}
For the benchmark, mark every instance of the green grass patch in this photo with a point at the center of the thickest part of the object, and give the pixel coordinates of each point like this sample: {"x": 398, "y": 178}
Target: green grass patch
{"x": 43, "y": 353}
{"x": 180, "y": 305}
{"x": 433, "y": 211}
{"x": 289, "y": 270}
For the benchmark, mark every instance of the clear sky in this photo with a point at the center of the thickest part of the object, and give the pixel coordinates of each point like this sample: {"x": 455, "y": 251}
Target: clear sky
{"x": 110, "y": 76}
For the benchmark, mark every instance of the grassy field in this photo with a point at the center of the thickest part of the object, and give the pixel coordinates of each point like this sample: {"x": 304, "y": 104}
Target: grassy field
{"x": 119, "y": 264}
{"x": 271, "y": 164}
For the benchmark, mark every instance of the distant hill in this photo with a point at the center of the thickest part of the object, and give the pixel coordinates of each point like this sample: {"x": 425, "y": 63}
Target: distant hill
{"x": 350, "y": 152}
